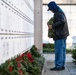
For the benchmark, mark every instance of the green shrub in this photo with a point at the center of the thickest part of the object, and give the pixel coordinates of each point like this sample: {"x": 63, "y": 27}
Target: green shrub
{"x": 48, "y": 45}
{"x": 49, "y": 48}
{"x": 74, "y": 54}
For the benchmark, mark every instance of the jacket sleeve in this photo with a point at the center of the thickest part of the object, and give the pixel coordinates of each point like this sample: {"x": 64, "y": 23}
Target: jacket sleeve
{"x": 60, "y": 20}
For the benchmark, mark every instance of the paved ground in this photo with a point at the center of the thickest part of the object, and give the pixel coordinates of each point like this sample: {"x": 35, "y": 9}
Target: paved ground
{"x": 49, "y": 63}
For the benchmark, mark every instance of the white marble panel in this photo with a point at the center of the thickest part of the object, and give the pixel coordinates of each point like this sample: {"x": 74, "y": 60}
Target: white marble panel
{"x": 17, "y": 32}
{"x": 1, "y": 50}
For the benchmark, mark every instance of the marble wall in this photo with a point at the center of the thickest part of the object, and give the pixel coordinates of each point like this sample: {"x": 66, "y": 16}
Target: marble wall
{"x": 16, "y": 27}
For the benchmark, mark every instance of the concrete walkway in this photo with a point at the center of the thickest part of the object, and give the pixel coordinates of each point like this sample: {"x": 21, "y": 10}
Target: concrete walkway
{"x": 70, "y": 68}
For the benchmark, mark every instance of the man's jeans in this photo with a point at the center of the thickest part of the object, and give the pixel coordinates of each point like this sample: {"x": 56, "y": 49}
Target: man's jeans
{"x": 60, "y": 52}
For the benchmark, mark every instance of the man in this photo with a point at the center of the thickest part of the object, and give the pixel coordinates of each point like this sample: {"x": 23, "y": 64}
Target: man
{"x": 60, "y": 35}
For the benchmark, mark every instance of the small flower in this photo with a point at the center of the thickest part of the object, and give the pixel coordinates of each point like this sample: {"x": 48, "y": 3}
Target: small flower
{"x": 10, "y": 68}
{"x": 17, "y": 59}
{"x": 31, "y": 61}
{"x": 23, "y": 55}
{"x": 19, "y": 65}
{"x": 20, "y": 72}
{"x": 29, "y": 56}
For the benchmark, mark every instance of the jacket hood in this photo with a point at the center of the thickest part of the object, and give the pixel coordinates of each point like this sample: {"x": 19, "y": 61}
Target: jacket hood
{"x": 53, "y": 6}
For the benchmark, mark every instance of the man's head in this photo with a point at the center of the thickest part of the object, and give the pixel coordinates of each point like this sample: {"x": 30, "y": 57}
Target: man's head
{"x": 52, "y": 6}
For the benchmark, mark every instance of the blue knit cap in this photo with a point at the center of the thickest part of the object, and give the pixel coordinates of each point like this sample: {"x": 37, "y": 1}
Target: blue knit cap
{"x": 52, "y": 6}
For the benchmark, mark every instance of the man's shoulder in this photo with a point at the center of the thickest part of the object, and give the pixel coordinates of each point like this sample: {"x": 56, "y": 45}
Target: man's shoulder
{"x": 59, "y": 13}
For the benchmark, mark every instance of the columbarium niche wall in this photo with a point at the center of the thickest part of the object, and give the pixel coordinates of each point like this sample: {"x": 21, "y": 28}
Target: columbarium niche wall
{"x": 16, "y": 27}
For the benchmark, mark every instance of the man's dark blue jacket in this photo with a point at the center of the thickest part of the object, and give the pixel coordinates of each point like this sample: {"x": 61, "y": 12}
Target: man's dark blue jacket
{"x": 59, "y": 22}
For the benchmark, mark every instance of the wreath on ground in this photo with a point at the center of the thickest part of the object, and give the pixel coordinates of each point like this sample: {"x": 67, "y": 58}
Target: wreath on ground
{"x": 28, "y": 63}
